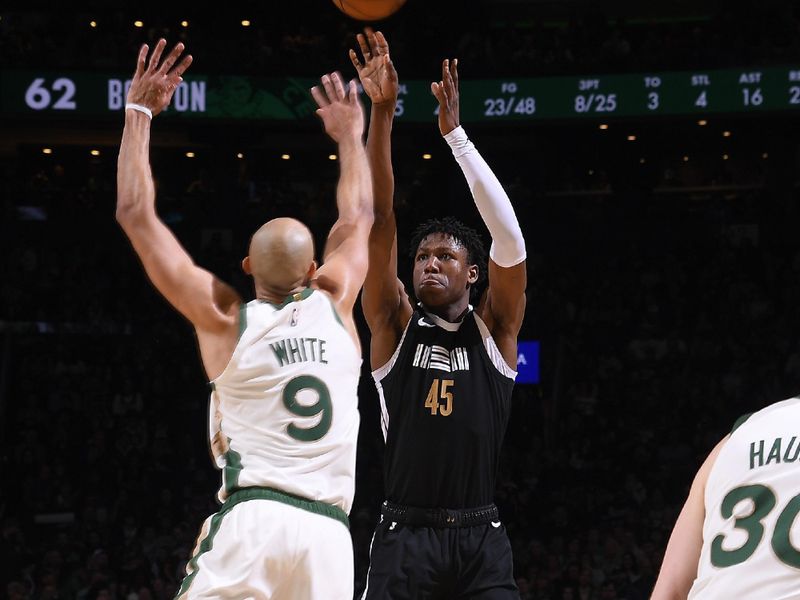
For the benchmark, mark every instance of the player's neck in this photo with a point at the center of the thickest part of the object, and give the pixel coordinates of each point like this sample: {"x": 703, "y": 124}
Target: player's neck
{"x": 275, "y": 295}
{"x": 452, "y": 313}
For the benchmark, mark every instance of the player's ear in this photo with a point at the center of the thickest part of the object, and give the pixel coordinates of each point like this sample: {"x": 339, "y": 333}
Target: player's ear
{"x": 312, "y": 271}
{"x": 472, "y": 274}
{"x": 246, "y": 265}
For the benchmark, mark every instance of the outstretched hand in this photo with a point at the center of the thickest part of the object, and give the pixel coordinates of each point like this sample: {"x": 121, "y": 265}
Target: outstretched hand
{"x": 154, "y": 84}
{"x": 377, "y": 73}
{"x": 339, "y": 109}
{"x": 446, "y": 92}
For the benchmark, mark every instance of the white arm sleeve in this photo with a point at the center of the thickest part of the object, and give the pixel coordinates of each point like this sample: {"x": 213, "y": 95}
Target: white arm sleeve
{"x": 508, "y": 246}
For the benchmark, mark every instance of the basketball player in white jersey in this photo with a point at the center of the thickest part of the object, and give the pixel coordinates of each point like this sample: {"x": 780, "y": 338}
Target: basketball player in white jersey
{"x": 738, "y": 535}
{"x": 283, "y": 367}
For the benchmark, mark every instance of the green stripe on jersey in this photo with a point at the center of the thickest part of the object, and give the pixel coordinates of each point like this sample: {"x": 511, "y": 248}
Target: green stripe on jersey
{"x": 740, "y": 421}
{"x": 336, "y": 315}
{"x": 205, "y": 546}
{"x": 296, "y": 297}
{"x": 242, "y": 319}
{"x": 233, "y": 468}
{"x": 255, "y": 493}
{"x": 264, "y": 493}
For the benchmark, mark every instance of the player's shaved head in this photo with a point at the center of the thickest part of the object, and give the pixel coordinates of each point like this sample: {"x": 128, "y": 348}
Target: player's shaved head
{"x": 281, "y": 253}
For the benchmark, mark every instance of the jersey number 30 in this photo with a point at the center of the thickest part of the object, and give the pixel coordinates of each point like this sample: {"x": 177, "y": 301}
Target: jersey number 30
{"x": 763, "y": 502}
{"x": 322, "y": 407}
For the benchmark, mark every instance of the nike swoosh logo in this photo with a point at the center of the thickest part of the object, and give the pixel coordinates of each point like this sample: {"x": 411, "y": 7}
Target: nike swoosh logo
{"x": 496, "y": 524}
{"x": 424, "y": 323}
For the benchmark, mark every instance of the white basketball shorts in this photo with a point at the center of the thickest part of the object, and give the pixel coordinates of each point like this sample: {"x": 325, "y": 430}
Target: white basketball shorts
{"x": 261, "y": 548}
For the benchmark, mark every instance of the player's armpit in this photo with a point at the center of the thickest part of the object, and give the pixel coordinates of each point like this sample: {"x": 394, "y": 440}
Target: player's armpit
{"x": 206, "y": 301}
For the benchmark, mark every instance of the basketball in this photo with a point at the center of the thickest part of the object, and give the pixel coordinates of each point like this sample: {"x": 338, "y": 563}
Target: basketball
{"x": 369, "y": 10}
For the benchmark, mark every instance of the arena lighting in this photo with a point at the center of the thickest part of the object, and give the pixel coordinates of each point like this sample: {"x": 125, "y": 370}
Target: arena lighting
{"x": 332, "y": 157}
{"x": 285, "y": 156}
{"x": 245, "y": 23}
{"x": 426, "y": 156}
{"x": 642, "y": 161}
{"x": 765, "y": 155}
{"x": 138, "y": 24}
{"x": 702, "y": 122}
{"x": 47, "y": 150}
{"x": 725, "y": 157}
{"x": 603, "y": 126}
{"x": 631, "y": 138}
{"x": 184, "y": 23}
{"x": 190, "y": 154}
{"x": 92, "y": 24}
{"x": 685, "y": 159}
{"x": 239, "y": 155}
{"x": 591, "y": 171}
{"x": 726, "y": 134}
{"x": 94, "y": 152}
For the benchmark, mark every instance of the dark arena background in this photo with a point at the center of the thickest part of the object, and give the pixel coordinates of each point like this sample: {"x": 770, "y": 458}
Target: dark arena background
{"x": 650, "y": 150}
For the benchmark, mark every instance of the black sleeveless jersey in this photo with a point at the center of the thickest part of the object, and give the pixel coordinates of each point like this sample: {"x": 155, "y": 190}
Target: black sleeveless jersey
{"x": 444, "y": 410}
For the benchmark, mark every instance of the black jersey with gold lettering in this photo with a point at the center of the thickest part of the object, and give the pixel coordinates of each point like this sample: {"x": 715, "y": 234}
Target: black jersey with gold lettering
{"x": 445, "y": 401}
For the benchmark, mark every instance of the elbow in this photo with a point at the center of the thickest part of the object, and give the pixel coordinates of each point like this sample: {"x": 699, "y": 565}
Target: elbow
{"x": 127, "y": 212}
{"x": 124, "y": 213}
{"x": 368, "y": 211}
{"x": 365, "y": 217}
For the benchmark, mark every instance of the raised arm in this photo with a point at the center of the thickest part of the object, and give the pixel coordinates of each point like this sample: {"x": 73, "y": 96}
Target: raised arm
{"x": 385, "y": 303}
{"x": 503, "y": 306}
{"x": 345, "y": 258}
{"x": 203, "y": 299}
{"x": 679, "y": 569}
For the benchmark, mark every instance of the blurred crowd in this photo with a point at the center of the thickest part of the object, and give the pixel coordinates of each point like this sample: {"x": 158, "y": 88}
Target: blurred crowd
{"x": 664, "y": 277}
{"x": 661, "y": 319}
{"x": 490, "y": 38}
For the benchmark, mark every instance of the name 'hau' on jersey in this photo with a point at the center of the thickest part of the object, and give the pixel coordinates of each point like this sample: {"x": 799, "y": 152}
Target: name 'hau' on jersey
{"x": 445, "y": 402}
{"x": 751, "y": 533}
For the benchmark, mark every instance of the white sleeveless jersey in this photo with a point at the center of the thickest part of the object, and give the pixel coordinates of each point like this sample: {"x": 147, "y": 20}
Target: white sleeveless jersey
{"x": 284, "y": 412}
{"x": 751, "y": 534}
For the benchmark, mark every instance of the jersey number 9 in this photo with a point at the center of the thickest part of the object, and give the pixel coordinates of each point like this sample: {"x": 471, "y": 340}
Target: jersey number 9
{"x": 322, "y": 407}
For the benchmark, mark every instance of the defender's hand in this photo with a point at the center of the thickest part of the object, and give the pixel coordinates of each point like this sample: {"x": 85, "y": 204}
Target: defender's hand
{"x": 154, "y": 84}
{"x": 377, "y": 73}
{"x": 340, "y": 110}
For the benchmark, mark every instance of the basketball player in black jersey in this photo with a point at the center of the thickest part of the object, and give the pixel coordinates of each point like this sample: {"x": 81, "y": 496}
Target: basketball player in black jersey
{"x": 444, "y": 370}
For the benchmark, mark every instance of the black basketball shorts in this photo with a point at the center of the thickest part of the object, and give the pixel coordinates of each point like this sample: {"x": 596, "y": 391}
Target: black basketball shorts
{"x": 422, "y": 562}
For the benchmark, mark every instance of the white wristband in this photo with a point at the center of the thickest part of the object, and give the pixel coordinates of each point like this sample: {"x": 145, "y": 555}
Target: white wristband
{"x": 140, "y": 108}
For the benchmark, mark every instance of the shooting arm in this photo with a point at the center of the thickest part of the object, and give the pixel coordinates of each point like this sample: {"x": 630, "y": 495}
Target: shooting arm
{"x": 194, "y": 292}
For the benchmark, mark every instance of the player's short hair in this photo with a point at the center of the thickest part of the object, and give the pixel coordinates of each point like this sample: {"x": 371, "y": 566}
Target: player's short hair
{"x": 464, "y": 235}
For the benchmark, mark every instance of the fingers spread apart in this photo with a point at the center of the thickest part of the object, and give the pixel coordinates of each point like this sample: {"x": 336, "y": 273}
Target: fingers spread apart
{"x": 171, "y": 58}
{"x": 319, "y": 97}
{"x": 154, "y": 64}
{"x": 332, "y": 89}
{"x": 155, "y": 57}
{"x": 365, "y": 49}
{"x": 381, "y": 45}
{"x": 354, "y": 59}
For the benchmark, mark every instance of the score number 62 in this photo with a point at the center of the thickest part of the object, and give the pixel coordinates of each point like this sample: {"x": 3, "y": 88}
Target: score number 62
{"x": 38, "y": 97}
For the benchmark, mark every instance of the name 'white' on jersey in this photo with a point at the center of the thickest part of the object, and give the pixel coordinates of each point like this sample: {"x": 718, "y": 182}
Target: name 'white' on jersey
{"x": 751, "y": 534}
{"x": 284, "y": 412}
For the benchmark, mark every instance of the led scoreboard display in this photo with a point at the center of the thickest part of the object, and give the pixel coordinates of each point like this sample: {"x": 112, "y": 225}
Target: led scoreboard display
{"x": 29, "y": 93}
